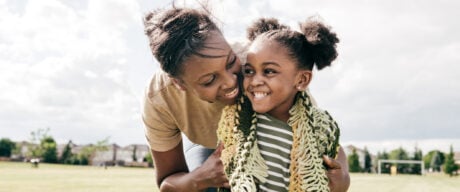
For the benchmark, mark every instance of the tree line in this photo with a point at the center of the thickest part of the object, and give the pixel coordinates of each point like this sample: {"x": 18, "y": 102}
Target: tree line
{"x": 434, "y": 161}
{"x": 44, "y": 147}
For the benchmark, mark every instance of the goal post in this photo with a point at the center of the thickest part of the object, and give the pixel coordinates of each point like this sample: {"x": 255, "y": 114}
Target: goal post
{"x": 401, "y": 162}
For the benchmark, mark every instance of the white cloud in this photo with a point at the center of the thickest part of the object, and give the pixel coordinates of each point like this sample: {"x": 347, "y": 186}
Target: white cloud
{"x": 79, "y": 67}
{"x": 397, "y": 72}
{"x": 64, "y": 69}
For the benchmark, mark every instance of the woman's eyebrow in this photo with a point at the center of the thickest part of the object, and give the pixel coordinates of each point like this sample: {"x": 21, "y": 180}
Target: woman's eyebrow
{"x": 228, "y": 55}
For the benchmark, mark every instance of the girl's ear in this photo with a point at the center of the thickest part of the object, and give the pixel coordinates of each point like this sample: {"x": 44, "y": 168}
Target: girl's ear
{"x": 303, "y": 79}
{"x": 179, "y": 83}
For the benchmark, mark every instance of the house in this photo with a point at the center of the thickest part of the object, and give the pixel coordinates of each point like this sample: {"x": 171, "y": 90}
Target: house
{"x": 106, "y": 157}
{"x": 74, "y": 148}
{"x": 22, "y": 151}
{"x": 131, "y": 155}
{"x": 349, "y": 150}
{"x": 457, "y": 158}
{"x": 361, "y": 154}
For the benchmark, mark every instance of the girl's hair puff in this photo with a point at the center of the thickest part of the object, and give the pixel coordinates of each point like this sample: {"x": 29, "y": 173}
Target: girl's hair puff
{"x": 263, "y": 25}
{"x": 322, "y": 40}
{"x": 316, "y": 45}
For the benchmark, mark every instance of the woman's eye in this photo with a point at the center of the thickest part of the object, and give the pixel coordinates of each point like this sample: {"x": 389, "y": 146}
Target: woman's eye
{"x": 231, "y": 63}
{"x": 209, "y": 82}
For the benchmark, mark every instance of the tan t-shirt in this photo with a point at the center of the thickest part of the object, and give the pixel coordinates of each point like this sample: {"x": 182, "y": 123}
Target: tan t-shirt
{"x": 169, "y": 111}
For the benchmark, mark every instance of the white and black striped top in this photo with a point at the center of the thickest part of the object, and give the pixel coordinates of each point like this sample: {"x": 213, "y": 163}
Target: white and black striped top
{"x": 274, "y": 139}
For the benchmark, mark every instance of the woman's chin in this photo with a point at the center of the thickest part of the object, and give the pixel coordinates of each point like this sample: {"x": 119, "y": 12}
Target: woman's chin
{"x": 227, "y": 101}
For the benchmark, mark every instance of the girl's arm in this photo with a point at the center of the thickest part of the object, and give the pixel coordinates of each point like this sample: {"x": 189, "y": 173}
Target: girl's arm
{"x": 339, "y": 179}
{"x": 172, "y": 173}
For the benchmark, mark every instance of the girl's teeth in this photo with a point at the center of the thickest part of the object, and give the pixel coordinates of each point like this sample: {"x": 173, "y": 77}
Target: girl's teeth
{"x": 259, "y": 95}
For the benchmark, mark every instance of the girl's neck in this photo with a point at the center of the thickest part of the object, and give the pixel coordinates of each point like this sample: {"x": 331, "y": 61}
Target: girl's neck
{"x": 282, "y": 117}
{"x": 282, "y": 111}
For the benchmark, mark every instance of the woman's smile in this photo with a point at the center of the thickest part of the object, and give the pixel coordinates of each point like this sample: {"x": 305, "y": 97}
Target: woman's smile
{"x": 232, "y": 94}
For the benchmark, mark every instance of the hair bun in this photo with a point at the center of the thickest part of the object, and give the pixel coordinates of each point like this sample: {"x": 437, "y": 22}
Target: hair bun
{"x": 263, "y": 25}
{"x": 323, "y": 42}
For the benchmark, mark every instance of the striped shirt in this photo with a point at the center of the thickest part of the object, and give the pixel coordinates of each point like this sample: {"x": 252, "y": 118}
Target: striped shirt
{"x": 274, "y": 139}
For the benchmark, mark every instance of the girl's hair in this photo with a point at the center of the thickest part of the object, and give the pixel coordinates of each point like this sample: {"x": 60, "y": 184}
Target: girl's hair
{"x": 176, "y": 34}
{"x": 316, "y": 45}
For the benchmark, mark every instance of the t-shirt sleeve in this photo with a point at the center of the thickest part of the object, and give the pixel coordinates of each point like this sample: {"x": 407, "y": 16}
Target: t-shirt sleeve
{"x": 161, "y": 130}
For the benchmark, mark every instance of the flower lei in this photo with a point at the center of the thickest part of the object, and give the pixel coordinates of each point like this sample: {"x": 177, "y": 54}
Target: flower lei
{"x": 314, "y": 133}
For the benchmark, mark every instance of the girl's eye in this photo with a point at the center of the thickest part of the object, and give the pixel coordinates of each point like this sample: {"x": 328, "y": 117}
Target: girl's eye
{"x": 247, "y": 71}
{"x": 210, "y": 81}
{"x": 269, "y": 71}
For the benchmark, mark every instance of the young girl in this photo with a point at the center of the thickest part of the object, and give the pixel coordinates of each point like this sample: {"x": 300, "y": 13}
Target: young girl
{"x": 274, "y": 137}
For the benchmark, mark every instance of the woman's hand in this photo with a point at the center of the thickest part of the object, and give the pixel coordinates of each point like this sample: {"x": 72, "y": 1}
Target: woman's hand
{"x": 172, "y": 173}
{"x": 339, "y": 179}
{"x": 211, "y": 173}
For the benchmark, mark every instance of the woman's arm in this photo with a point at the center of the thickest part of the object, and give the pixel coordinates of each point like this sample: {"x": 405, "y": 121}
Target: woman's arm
{"x": 339, "y": 179}
{"x": 172, "y": 173}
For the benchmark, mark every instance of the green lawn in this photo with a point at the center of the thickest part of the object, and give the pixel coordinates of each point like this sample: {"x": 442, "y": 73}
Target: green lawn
{"x": 19, "y": 177}
{"x": 416, "y": 183}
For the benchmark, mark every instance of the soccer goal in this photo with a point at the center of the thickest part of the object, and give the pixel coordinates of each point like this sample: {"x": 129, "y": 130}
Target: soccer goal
{"x": 401, "y": 162}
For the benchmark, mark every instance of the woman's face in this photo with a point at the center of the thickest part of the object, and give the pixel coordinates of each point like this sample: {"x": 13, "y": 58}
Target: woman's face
{"x": 212, "y": 78}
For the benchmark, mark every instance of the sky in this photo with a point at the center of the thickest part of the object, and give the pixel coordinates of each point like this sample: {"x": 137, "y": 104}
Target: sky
{"x": 80, "y": 68}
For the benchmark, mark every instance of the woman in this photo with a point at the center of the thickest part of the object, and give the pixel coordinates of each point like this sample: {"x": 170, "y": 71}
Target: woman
{"x": 199, "y": 79}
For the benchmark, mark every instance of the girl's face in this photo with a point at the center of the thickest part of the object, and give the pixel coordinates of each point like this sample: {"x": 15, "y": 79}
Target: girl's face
{"x": 212, "y": 78}
{"x": 271, "y": 78}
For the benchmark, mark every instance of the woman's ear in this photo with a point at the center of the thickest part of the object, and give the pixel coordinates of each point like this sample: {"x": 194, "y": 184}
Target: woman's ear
{"x": 178, "y": 83}
{"x": 303, "y": 79}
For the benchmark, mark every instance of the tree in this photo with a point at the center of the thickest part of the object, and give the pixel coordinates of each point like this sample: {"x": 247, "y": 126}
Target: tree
{"x": 416, "y": 168}
{"x": 6, "y": 147}
{"x": 367, "y": 161}
{"x": 353, "y": 162}
{"x": 134, "y": 153}
{"x": 66, "y": 157}
{"x": 385, "y": 166}
{"x": 449, "y": 166}
{"x": 434, "y": 160}
{"x": 400, "y": 154}
{"x": 88, "y": 152}
{"x": 148, "y": 158}
{"x": 35, "y": 149}
{"x": 49, "y": 149}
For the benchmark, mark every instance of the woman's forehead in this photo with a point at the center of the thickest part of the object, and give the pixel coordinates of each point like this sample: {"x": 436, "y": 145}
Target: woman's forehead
{"x": 214, "y": 46}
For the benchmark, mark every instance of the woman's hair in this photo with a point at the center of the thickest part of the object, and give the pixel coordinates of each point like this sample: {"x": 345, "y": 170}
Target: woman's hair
{"x": 316, "y": 45}
{"x": 176, "y": 34}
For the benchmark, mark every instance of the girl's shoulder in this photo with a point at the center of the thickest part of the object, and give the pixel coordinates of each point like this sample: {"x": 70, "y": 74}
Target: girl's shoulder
{"x": 327, "y": 131}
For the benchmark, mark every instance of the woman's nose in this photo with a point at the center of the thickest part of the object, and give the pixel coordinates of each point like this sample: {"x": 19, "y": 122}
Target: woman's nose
{"x": 229, "y": 81}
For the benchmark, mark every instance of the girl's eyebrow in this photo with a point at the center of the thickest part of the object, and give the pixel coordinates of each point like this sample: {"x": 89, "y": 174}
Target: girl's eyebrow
{"x": 265, "y": 64}
{"x": 270, "y": 63}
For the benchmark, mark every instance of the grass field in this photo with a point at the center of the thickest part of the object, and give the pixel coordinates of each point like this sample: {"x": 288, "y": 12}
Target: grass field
{"x": 412, "y": 183}
{"x": 19, "y": 177}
